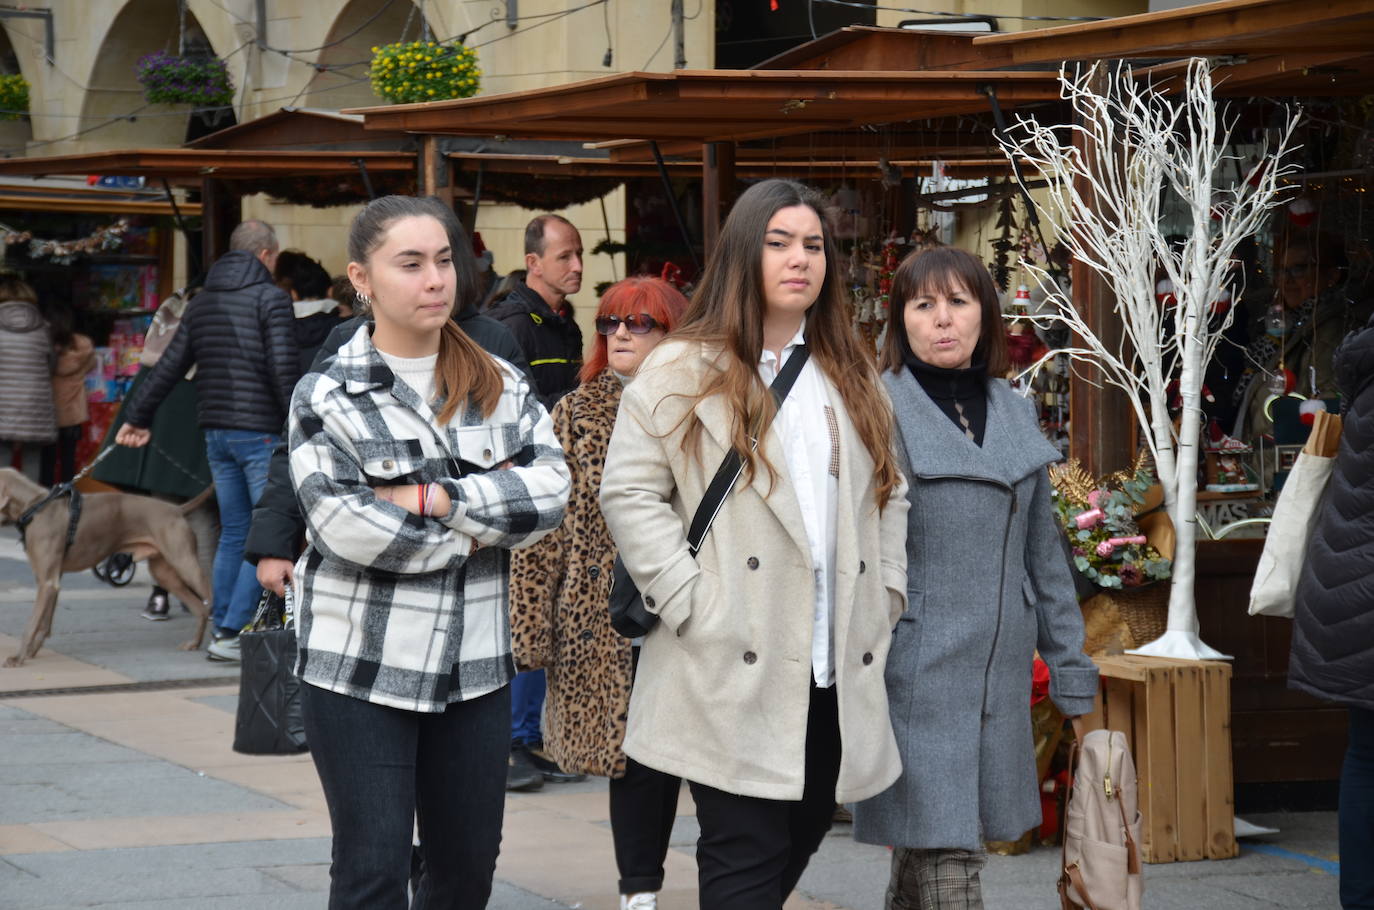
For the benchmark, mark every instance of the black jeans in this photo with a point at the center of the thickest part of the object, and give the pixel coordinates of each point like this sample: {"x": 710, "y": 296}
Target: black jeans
{"x": 1357, "y": 814}
{"x": 753, "y": 851}
{"x": 382, "y": 768}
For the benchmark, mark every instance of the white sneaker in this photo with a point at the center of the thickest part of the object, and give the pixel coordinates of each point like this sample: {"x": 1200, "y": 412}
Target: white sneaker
{"x": 225, "y": 649}
{"x": 644, "y": 900}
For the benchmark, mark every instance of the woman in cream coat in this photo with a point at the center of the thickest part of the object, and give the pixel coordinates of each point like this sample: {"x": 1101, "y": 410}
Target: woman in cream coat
{"x": 762, "y": 683}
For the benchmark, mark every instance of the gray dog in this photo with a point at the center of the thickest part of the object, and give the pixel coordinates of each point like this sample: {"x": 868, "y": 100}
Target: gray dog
{"x": 109, "y": 523}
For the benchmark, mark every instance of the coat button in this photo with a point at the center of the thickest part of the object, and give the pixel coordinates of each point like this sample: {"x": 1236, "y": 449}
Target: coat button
{"x": 388, "y": 465}
{"x": 594, "y": 571}
{"x": 750, "y": 657}
{"x": 863, "y": 567}
{"x": 868, "y": 658}
{"x": 752, "y": 562}
{"x": 649, "y": 602}
{"x": 486, "y": 453}
{"x": 587, "y": 634}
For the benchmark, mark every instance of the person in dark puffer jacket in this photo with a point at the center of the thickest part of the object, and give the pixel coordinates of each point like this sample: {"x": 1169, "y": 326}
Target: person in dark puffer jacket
{"x": 1333, "y": 625}
{"x": 240, "y": 334}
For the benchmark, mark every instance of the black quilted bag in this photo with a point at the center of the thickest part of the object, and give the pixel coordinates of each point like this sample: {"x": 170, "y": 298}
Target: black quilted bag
{"x": 269, "y": 713}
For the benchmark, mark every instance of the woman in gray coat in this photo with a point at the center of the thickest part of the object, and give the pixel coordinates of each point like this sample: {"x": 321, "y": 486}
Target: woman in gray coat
{"x": 988, "y": 586}
{"x": 27, "y": 414}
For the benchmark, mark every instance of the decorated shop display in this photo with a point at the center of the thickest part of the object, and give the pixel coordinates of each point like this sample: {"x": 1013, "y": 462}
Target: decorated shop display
{"x": 410, "y": 71}
{"x": 1106, "y": 205}
{"x": 110, "y": 237}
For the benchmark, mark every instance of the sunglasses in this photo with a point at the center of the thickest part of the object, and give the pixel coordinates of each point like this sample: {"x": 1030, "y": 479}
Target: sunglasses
{"x": 637, "y": 323}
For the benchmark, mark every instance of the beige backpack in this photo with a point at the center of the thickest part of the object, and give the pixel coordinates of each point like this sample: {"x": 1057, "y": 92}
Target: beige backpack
{"x": 1101, "y": 860}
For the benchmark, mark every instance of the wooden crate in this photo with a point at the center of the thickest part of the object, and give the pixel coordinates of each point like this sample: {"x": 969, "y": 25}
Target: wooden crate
{"x": 1177, "y": 716}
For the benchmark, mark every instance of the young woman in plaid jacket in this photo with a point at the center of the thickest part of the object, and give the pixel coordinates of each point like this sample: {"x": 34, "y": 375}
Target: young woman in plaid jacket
{"x": 419, "y": 461}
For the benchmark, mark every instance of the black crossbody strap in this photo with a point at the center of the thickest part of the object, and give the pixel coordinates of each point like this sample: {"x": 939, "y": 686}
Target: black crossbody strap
{"x": 733, "y": 464}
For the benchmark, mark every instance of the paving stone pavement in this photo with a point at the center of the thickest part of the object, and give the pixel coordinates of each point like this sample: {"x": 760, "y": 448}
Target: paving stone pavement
{"x": 133, "y": 800}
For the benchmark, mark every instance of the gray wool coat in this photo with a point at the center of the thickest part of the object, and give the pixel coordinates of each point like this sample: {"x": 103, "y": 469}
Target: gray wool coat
{"x": 987, "y": 585}
{"x": 27, "y": 413}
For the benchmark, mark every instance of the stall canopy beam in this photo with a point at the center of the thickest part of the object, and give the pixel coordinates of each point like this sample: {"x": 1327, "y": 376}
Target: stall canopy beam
{"x": 713, "y": 105}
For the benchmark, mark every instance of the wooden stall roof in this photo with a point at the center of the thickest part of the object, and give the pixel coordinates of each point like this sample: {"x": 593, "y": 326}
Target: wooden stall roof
{"x": 564, "y": 166}
{"x": 302, "y": 128}
{"x": 181, "y": 163}
{"x": 57, "y": 195}
{"x": 1277, "y": 47}
{"x": 714, "y": 105}
{"x": 868, "y": 47}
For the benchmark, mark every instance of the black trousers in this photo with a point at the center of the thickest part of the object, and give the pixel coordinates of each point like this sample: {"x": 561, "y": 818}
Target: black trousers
{"x": 64, "y": 449}
{"x": 753, "y": 851}
{"x": 384, "y": 768}
{"x": 643, "y": 806}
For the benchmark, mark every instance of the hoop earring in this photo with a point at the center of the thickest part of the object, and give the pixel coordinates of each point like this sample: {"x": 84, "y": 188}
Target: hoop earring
{"x": 364, "y": 299}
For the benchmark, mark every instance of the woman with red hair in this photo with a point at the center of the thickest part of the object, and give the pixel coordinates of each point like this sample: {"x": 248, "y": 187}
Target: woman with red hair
{"x": 560, "y": 590}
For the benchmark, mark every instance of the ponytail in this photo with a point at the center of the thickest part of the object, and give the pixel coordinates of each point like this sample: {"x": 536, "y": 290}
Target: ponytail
{"x": 465, "y": 373}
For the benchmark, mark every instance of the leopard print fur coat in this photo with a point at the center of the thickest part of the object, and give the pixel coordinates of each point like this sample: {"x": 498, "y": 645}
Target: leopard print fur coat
{"x": 560, "y": 589}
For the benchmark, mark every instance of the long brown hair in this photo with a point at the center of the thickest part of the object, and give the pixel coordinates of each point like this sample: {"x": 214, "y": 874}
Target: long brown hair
{"x": 463, "y": 372}
{"x": 727, "y": 310}
{"x": 935, "y": 270}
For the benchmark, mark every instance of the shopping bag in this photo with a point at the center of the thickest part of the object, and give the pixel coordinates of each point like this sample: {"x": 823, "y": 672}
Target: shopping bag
{"x": 269, "y": 712}
{"x": 1276, "y": 579}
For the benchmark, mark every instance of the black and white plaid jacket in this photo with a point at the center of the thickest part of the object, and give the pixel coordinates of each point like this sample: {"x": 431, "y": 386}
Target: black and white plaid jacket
{"x": 392, "y": 609}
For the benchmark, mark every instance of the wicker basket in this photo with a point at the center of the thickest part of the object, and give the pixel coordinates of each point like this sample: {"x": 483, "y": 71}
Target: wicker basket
{"x": 1120, "y": 619}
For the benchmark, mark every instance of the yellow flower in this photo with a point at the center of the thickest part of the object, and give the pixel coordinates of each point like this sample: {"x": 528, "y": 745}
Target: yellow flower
{"x": 431, "y": 91}
{"x": 374, "y": 50}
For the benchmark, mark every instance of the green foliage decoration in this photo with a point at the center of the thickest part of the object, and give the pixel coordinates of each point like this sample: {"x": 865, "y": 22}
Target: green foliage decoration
{"x": 1098, "y": 550}
{"x": 14, "y": 97}
{"x": 412, "y": 71}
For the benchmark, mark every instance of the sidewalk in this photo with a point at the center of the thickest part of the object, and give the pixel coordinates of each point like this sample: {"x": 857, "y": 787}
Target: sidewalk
{"x": 129, "y": 798}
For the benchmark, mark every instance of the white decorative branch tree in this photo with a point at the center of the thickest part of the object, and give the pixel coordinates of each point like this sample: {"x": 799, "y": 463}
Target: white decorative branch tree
{"x": 1106, "y": 199}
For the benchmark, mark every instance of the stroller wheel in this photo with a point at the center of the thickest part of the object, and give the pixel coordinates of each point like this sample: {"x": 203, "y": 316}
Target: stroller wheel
{"x": 117, "y": 569}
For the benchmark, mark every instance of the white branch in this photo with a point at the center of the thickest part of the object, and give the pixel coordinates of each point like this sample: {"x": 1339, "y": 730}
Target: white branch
{"x": 1106, "y": 198}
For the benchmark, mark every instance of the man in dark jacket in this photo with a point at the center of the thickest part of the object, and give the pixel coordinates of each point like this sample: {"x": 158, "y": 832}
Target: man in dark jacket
{"x": 240, "y": 334}
{"x": 538, "y": 313}
{"x": 540, "y": 317}
{"x": 1332, "y": 654}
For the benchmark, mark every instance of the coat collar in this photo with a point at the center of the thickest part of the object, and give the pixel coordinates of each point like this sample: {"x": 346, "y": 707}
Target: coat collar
{"x": 361, "y": 369}
{"x": 1013, "y": 446}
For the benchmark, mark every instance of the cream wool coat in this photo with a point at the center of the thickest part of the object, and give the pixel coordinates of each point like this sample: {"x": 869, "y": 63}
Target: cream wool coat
{"x": 724, "y": 679}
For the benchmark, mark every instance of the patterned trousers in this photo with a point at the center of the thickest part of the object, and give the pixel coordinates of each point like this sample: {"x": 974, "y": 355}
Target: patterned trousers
{"x": 944, "y": 879}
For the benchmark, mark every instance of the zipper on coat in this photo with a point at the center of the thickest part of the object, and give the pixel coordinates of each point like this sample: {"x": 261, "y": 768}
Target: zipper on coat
{"x": 1002, "y": 575}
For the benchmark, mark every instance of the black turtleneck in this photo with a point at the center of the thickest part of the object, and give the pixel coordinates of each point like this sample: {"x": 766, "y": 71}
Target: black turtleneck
{"x": 968, "y": 386}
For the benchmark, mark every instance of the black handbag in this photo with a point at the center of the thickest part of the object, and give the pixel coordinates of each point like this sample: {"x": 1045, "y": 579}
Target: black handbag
{"x": 269, "y": 711}
{"x": 629, "y": 616}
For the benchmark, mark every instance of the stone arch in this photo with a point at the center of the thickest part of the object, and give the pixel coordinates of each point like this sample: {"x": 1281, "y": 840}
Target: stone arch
{"x": 15, "y": 133}
{"x": 391, "y": 20}
{"x": 142, "y": 27}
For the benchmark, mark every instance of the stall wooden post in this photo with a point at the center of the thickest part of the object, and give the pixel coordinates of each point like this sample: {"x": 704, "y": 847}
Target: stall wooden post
{"x": 1101, "y": 423}
{"x": 221, "y": 211}
{"x": 717, "y": 189}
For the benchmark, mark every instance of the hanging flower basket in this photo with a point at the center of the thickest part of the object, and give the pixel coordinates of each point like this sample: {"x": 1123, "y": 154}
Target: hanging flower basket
{"x": 407, "y": 72}
{"x": 14, "y": 97}
{"x": 201, "y": 81}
